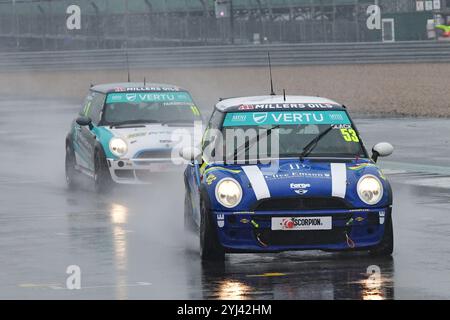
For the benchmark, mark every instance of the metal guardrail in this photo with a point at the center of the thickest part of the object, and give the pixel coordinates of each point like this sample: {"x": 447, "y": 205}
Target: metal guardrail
{"x": 230, "y": 56}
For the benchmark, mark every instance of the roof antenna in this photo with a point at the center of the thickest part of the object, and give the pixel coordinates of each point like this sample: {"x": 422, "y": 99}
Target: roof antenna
{"x": 128, "y": 67}
{"x": 272, "y": 92}
{"x": 284, "y": 95}
{"x": 145, "y": 82}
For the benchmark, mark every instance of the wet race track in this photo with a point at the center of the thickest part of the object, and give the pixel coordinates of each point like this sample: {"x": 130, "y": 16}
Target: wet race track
{"x": 130, "y": 244}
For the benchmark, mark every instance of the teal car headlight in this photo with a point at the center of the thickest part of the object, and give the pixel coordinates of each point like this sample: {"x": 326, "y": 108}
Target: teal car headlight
{"x": 370, "y": 189}
{"x": 228, "y": 192}
{"x": 118, "y": 147}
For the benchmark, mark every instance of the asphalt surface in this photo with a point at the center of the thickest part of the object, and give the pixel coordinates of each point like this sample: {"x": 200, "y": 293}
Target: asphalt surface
{"x": 130, "y": 244}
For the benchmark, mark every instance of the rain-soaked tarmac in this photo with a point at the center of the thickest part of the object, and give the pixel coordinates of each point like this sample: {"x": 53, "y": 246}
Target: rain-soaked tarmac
{"x": 130, "y": 244}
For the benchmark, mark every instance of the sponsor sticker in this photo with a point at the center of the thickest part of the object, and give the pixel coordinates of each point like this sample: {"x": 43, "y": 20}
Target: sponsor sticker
{"x": 210, "y": 179}
{"x": 382, "y": 216}
{"x": 246, "y": 107}
{"x": 146, "y": 89}
{"x": 361, "y": 166}
{"x": 294, "y": 167}
{"x": 220, "y": 220}
{"x": 162, "y": 97}
{"x": 300, "y": 188}
{"x": 286, "y": 106}
{"x": 342, "y": 126}
{"x": 297, "y": 174}
{"x": 302, "y": 223}
{"x": 233, "y": 119}
{"x": 136, "y": 135}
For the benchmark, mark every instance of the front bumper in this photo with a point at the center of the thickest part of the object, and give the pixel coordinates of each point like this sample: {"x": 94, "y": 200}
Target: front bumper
{"x": 252, "y": 232}
{"x": 140, "y": 171}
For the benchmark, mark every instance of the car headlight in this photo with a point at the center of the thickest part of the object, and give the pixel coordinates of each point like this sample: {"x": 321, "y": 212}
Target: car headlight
{"x": 370, "y": 189}
{"x": 229, "y": 193}
{"x": 118, "y": 146}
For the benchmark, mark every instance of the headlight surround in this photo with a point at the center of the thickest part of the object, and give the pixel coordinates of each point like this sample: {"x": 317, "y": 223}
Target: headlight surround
{"x": 370, "y": 189}
{"x": 228, "y": 192}
{"x": 118, "y": 146}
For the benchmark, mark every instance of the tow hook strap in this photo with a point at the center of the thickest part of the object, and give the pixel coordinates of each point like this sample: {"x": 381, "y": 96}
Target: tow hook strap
{"x": 256, "y": 226}
{"x": 260, "y": 241}
{"x": 350, "y": 242}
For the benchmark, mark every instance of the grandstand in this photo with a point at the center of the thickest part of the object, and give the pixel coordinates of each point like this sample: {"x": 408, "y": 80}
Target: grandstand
{"x": 41, "y": 24}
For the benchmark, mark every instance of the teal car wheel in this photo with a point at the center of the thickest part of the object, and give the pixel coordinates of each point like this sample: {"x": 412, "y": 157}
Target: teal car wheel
{"x": 102, "y": 177}
{"x": 70, "y": 168}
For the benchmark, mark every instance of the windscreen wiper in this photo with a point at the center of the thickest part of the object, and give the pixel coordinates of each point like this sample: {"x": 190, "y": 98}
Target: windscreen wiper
{"x": 251, "y": 142}
{"x": 313, "y": 144}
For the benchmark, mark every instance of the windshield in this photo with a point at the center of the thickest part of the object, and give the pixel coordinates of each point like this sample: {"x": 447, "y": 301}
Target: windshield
{"x": 322, "y": 133}
{"x": 154, "y": 107}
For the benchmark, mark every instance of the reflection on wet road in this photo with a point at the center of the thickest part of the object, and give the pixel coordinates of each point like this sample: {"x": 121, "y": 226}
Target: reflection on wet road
{"x": 130, "y": 244}
{"x": 310, "y": 276}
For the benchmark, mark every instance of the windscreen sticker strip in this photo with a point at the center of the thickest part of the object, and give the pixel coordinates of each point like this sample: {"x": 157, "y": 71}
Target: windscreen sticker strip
{"x": 148, "y": 97}
{"x": 286, "y": 106}
{"x": 234, "y": 119}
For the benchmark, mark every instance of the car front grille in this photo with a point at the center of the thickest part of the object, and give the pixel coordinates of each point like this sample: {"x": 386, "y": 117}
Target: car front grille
{"x": 144, "y": 175}
{"x": 304, "y": 237}
{"x": 155, "y": 154}
{"x": 298, "y": 238}
{"x": 124, "y": 174}
{"x": 296, "y": 203}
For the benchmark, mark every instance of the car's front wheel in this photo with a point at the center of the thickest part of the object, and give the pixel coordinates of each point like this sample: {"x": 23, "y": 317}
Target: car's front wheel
{"x": 102, "y": 177}
{"x": 70, "y": 168}
{"x": 189, "y": 224}
{"x": 386, "y": 247}
{"x": 210, "y": 247}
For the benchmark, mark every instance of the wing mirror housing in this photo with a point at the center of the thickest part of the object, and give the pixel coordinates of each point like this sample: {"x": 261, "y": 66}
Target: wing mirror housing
{"x": 84, "y": 121}
{"x": 382, "y": 149}
{"x": 191, "y": 154}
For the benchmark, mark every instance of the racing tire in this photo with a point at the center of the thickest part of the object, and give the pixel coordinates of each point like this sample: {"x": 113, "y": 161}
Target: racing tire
{"x": 70, "y": 168}
{"x": 102, "y": 178}
{"x": 386, "y": 247}
{"x": 210, "y": 248}
{"x": 189, "y": 224}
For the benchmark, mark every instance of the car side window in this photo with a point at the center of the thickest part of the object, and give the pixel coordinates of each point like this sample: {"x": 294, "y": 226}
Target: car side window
{"x": 217, "y": 119}
{"x": 86, "y": 105}
{"x": 215, "y": 123}
{"x": 96, "y": 107}
{"x": 206, "y": 134}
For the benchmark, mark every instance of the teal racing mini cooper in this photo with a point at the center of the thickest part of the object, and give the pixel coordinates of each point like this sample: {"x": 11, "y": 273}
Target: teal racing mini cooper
{"x": 124, "y": 133}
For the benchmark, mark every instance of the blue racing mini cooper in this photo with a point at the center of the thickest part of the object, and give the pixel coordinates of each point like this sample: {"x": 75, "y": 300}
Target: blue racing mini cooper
{"x": 279, "y": 173}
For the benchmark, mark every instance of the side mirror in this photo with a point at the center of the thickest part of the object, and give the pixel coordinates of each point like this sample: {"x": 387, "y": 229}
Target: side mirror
{"x": 191, "y": 154}
{"x": 84, "y": 121}
{"x": 382, "y": 149}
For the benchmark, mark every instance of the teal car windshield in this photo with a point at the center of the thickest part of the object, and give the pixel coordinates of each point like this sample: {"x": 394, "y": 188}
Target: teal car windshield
{"x": 153, "y": 107}
{"x": 294, "y": 131}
